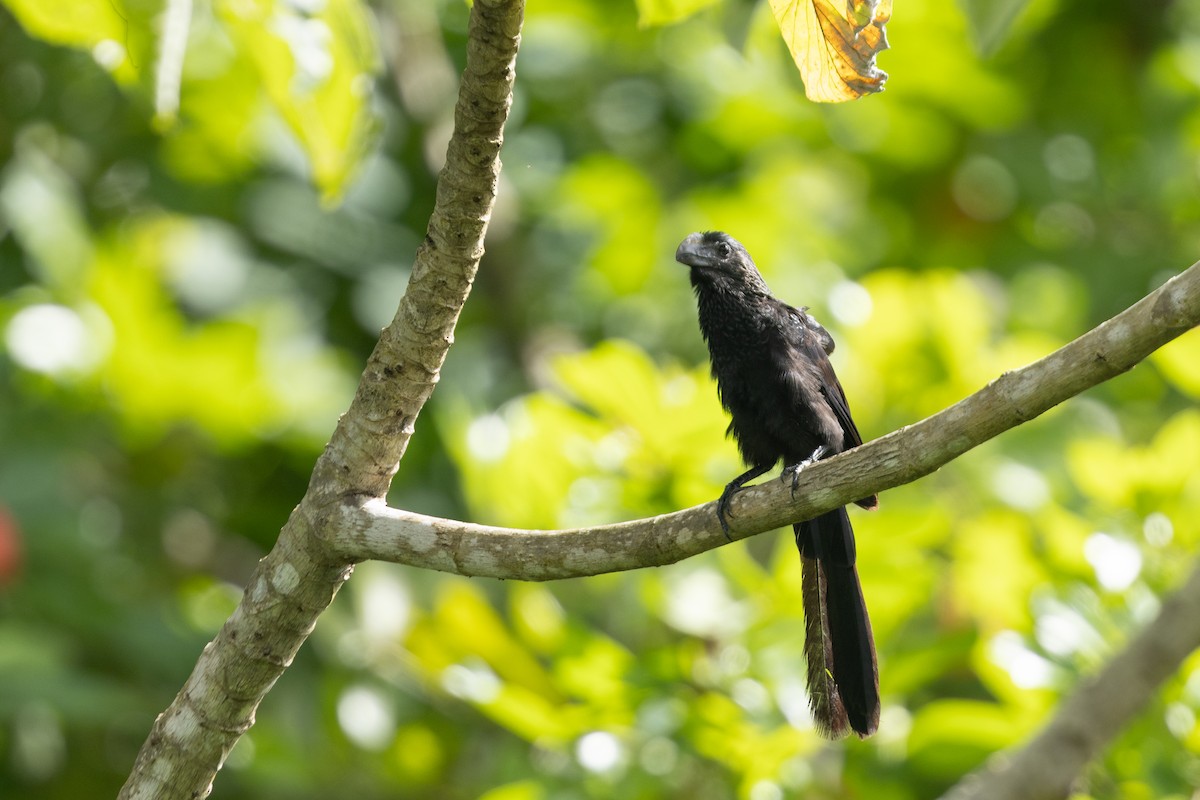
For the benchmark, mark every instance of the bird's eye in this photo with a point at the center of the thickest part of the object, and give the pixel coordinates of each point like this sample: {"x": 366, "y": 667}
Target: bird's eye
{"x": 723, "y": 249}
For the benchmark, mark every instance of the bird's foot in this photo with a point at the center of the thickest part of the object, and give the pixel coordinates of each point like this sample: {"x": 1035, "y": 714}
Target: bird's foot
{"x": 723, "y": 509}
{"x": 794, "y": 470}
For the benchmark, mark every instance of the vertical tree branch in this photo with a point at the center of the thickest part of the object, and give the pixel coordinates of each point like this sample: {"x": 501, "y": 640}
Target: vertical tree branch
{"x": 298, "y": 579}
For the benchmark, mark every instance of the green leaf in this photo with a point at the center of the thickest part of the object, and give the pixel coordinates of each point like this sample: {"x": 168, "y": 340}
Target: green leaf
{"x": 43, "y": 208}
{"x": 108, "y": 28}
{"x": 78, "y": 23}
{"x": 164, "y": 368}
{"x": 537, "y": 616}
{"x": 991, "y": 20}
{"x": 597, "y": 673}
{"x": 532, "y": 716}
{"x": 951, "y": 737}
{"x": 665, "y": 12}
{"x": 521, "y": 790}
{"x": 468, "y": 622}
{"x": 615, "y": 199}
{"x": 995, "y": 569}
{"x": 1180, "y": 363}
{"x": 316, "y": 69}
{"x": 995, "y": 22}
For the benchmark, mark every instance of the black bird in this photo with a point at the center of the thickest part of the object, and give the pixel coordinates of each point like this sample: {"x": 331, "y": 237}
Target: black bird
{"x": 774, "y": 378}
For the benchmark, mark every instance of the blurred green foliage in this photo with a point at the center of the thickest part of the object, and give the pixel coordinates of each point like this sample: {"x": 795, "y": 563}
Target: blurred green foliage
{"x": 184, "y": 313}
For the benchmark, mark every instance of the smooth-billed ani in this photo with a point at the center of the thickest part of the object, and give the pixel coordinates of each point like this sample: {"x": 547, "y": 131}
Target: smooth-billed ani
{"x": 774, "y": 378}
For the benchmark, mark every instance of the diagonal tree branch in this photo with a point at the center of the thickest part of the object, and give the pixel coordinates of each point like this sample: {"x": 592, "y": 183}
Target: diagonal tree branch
{"x": 298, "y": 579}
{"x": 374, "y": 531}
{"x": 400, "y": 375}
{"x": 1099, "y": 709}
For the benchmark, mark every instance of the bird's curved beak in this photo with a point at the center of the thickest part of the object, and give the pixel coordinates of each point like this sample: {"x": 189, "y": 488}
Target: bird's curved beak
{"x": 693, "y": 253}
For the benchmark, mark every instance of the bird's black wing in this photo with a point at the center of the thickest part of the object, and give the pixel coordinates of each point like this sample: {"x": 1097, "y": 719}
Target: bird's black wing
{"x": 807, "y": 345}
{"x": 803, "y": 355}
{"x": 831, "y": 387}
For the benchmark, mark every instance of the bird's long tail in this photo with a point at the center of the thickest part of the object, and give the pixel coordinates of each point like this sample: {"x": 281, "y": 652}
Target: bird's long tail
{"x": 843, "y": 676}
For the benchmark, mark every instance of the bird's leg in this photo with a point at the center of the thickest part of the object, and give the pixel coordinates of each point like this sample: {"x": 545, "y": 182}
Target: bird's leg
{"x": 732, "y": 488}
{"x": 795, "y": 469}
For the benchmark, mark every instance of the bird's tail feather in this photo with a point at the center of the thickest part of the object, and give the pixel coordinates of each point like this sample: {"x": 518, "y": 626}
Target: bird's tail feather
{"x": 843, "y": 675}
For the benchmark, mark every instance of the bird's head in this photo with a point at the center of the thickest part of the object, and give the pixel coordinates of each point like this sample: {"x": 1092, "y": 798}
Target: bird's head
{"x": 718, "y": 260}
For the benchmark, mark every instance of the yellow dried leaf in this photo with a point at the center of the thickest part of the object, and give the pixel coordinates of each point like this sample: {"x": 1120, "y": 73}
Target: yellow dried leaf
{"x": 834, "y": 44}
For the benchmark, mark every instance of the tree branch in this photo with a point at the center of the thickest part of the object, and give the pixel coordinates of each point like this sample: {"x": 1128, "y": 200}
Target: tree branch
{"x": 374, "y": 531}
{"x": 298, "y": 579}
{"x": 1099, "y": 709}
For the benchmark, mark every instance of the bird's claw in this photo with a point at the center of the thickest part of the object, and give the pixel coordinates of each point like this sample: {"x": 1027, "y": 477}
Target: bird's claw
{"x": 723, "y": 510}
{"x": 795, "y": 469}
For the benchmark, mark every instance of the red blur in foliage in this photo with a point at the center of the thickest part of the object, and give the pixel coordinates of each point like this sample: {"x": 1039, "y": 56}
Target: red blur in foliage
{"x": 10, "y": 548}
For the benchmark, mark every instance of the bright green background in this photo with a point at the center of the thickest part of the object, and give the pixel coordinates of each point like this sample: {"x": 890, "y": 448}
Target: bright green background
{"x": 185, "y": 308}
